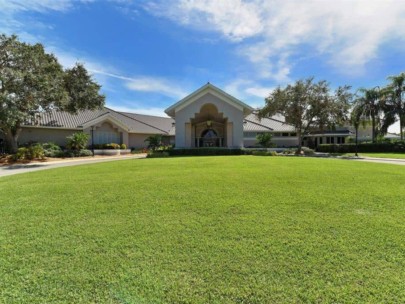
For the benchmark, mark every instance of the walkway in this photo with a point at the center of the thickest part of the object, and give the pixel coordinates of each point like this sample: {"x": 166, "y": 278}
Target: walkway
{"x": 36, "y": 166}
{"x": 392, "y": 161}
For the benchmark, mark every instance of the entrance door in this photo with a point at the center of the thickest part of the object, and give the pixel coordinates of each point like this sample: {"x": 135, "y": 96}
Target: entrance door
{"x": 209, "y": 138}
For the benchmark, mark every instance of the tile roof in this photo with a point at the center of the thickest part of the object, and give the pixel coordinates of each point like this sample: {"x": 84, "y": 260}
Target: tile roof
{"x": 147, "y": 124}
{"x": 136, "y": 123}
{"x": 253, "y": 123}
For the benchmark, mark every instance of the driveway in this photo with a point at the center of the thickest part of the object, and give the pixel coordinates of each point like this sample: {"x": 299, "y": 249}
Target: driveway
{"x": 24, "y": 168}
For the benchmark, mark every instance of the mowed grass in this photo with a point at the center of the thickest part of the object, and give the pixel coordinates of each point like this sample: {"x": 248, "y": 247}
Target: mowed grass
{"x": 239, "y": 229}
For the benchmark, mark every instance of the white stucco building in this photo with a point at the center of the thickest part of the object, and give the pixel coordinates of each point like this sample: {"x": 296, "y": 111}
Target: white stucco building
{"x": 208, "y": 117}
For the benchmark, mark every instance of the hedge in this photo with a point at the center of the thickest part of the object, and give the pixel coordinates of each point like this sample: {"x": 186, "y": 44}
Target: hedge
{"x": 205, "y": 152}
{"x": 363, "y": 148}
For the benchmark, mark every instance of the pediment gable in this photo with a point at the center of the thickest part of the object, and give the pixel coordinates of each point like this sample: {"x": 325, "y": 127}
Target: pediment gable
{"x": 206, "y": 90}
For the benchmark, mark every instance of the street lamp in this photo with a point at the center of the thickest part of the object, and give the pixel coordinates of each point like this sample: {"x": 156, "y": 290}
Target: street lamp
{"x": 92, "y": 140}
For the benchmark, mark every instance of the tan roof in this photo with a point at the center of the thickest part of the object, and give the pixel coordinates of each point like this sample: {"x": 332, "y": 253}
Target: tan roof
{"x": 254, "y": 124}
{"x": 147, "y": 124}
{"x": 136, "y": 123}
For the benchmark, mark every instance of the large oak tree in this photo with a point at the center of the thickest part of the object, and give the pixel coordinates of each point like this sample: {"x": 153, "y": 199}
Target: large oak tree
{"x": 32, "y": 82}
{"x": 307, "y": 105}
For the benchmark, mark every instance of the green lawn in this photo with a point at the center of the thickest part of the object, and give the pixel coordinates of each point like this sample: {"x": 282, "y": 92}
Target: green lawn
{"x": 239, "y": 229}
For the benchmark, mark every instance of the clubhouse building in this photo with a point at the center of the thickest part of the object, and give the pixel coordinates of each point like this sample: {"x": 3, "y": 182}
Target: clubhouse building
{"x": 208, "y": 117}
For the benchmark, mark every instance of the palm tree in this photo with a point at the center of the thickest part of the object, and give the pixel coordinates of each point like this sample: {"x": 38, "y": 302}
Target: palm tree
{"x": 369, "y": 104}
{"x": 357, "y": 119}
{"x": 394, "y": 93}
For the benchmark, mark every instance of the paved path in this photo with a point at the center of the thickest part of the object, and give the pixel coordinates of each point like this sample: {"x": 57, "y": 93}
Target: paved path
{"x": 24, "y": 168}
{"x": 392, "y": 161}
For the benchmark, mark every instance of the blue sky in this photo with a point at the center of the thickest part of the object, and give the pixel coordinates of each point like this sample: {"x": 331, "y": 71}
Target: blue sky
{"x": 149, "y": 54}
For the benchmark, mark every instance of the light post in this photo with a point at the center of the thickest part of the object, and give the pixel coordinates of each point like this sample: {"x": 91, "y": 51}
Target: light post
{"x": 92, "y": 140}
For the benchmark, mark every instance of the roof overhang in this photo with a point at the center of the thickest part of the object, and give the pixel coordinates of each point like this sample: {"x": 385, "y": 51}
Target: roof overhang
{"x": 105, "y": 117}
{"x": 208, "y": 89}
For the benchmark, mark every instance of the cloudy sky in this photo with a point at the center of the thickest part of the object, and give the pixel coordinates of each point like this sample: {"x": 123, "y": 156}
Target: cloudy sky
{"x": 149, "y": 54}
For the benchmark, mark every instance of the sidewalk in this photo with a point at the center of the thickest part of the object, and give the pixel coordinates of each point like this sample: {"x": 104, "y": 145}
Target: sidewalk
{"x": 393, "y": 161}
{"x": 36, "y": 166}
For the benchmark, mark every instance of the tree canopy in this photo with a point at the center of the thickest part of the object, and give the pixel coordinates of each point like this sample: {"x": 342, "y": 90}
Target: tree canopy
{"x": 33, "y": 81}
{"x": 307, "y": 104}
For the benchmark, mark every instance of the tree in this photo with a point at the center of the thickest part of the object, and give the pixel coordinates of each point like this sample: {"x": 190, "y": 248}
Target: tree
{"x": 357, "y": 119}
{"x": 394, "y": 94}
{"x": 371, "y": 106}
{"x": 33, "y": 82}
{"x": 306, "y": 104}
{"x": 264, "y": 139}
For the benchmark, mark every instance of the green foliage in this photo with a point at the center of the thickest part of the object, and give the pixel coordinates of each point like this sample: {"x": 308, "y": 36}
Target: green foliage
{"x": 82, "y": 90}
{"x": 306, "y": 104}
{"x": 123, "y": 146}
{"x": 31, "y": 152}
{"x": 264, "y": 139}
{"x": 395, "y": 100}
{"x": 363, "y": 147}
{"x": 77, "y": 141}
{"x": 204, "y": 230}
{"x": 154, "y": 141}
{"x": 264, "y": 153}
{"x": 111, "y": 146}
{"x": 85, "y": 152}
{"x": 307, "y": 151}
{"x": 157, "y": 154}
{"x": 52, "y": 150}
{"x": 205, "y": 152}
{"x": 33, "y": 82}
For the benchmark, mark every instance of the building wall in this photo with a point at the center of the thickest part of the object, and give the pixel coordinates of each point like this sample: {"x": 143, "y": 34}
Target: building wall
{"x": 137, "y": 140}
{"x": 42, "y": 135}
{"x": 233, "y": 114}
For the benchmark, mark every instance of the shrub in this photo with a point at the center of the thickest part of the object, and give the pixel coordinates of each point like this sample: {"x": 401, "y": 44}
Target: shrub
{"x": 307, "y": 151}
{"x": 30, "y": 152}
{"x": 154, "y": 141}
{"x": 111, "y": 146}
{"x": 138, "y": 151}
{"x": 85, "y": 152}
{"x": 205, "y": 152}
{"x": 52, "y": 150}
{"x": 157, "y": 154}
{"x": 123, "y": 146}
{"x": 264, "y": 139}
{"x": 264, "y": 153}
{"x": 398, "y": 146}
{"x": 77, "y": 141}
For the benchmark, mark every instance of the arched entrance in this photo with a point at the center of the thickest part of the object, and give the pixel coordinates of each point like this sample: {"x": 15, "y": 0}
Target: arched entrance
{"x": 210, "y": 138}
{"x": 208, "y": 127}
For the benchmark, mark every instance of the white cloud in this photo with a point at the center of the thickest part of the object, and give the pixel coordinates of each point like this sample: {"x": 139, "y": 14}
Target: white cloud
{"x": 102, "y": 71}
{"x": 348, "y": 32}
{"x": 262, "y": 92}
{"x": 156, "y": 85}
{"x": 235, "y": 19}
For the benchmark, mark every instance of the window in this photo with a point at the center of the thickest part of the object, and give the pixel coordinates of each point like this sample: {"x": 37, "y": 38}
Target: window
{"x": 332, "y": 140}
{"x": 250, "y": 134}
{"x": 104, "y": 137}
{"x": 320, "y": 140}
{"x": 284, "y": 134}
